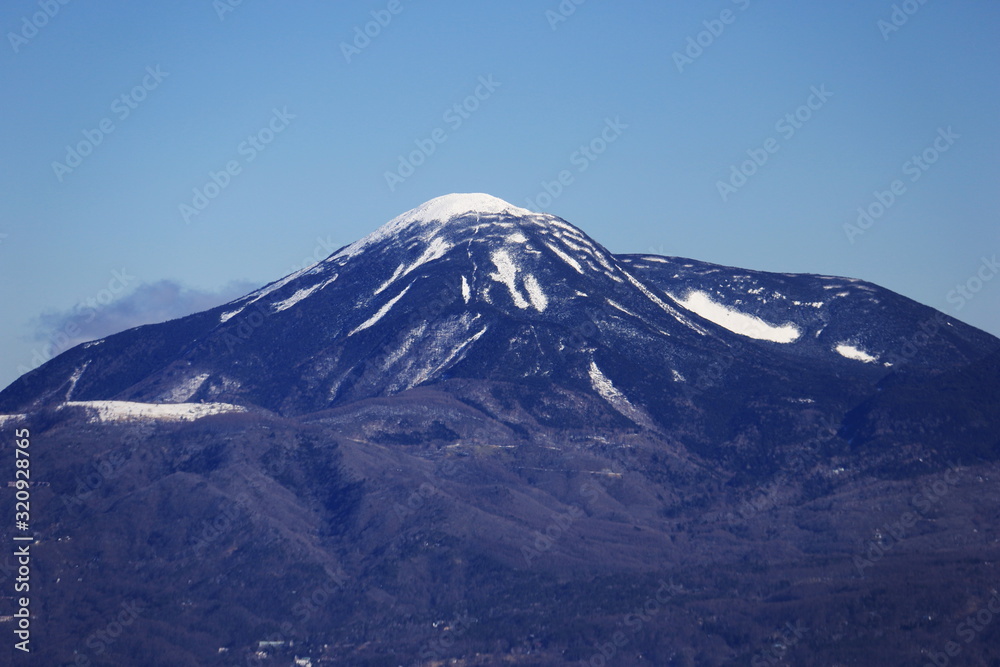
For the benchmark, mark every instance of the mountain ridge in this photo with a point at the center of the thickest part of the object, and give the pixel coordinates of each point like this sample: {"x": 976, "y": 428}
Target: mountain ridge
{"x": 483, "y": 414}
{"x": 494, "y": 253}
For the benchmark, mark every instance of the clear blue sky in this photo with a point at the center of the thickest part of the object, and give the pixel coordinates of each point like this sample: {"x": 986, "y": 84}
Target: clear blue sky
{"x": 553, "y": 87}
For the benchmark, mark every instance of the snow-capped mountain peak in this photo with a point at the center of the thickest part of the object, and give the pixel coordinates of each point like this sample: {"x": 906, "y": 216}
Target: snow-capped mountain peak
{"x": 446, "y": 207}
{"x": 428, "y": 218}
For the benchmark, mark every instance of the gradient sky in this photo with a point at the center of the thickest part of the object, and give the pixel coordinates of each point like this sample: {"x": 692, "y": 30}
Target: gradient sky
{"x": 105, "y": 245}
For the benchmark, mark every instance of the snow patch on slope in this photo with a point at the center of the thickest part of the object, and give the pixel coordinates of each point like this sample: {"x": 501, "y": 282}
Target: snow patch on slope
{"x": 851, "y": 352}
{"x": 396, "y": 354}
{"x": 119, "y": 411}
{"x": 466, "y": 291}
{"x": 737, "y": 322}
{"x": 185, "y": 389}
{"x": 299, "y": 295}
{"x": 555, "y": 222}
{"x": 381, "y": 312}
{"x": 663, "y": 304}
{"x": 74, "y": 379}
{"x": 622, "y": 308}
{"x": 535, "y": 293}
{"x": 435, "y": 250}
{"x": 603, "y": 386}
{"x": 225, "y": 317}
{"x": 453, "y": 357}
{"x": 506, "y": 273}
{"x": 395, "y": 274}
{"x": 273, "y": 287}
{"x": 566, "y": 258}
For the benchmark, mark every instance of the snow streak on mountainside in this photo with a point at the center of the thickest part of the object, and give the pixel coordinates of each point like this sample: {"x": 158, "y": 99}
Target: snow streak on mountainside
{"x": 737, "y": 322}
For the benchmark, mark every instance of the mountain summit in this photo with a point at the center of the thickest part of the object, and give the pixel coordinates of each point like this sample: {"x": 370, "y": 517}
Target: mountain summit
{"x": 446, "y": 207}
{"x": 477, "y": 432}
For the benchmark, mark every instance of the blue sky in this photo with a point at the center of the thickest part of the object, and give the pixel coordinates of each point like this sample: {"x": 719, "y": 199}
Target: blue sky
{"x": 300, "y": 119}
